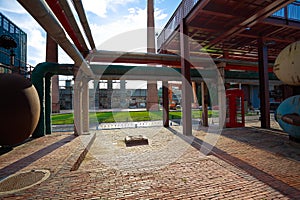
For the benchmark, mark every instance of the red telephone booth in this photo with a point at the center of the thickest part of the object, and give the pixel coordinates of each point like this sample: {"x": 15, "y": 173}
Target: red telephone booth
{"x": 235, "y": 112}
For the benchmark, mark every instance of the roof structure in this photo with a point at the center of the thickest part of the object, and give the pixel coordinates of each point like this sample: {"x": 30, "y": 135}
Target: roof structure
{"x": 231, "y": 28}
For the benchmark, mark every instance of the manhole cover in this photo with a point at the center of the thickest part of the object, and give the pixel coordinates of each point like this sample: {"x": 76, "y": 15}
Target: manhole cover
{"x": 22, "y": 181}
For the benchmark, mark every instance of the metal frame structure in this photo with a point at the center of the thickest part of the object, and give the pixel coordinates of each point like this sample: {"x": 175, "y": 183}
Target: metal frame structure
{"x": 216, "y": 25}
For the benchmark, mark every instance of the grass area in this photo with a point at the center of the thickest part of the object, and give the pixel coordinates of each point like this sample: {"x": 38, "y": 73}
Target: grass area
{"x": 110, "y": 117}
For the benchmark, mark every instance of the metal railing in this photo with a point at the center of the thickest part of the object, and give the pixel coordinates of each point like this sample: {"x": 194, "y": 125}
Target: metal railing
{"x": 291, "y": 12}
{"x": 182, "y": 11}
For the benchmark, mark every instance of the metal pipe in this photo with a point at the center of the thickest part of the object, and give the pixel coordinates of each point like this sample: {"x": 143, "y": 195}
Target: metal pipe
{"x": 68, "y": 12}
{"x": 41, "y": 77}
{"x": 80, "y": 11}
{"x": 200, "y": 62}
{"x": 43, "y": 15}
{"x": 60, "y": 14}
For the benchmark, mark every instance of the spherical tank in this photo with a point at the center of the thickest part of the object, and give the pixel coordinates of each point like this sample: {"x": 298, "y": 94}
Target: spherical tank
{"x": 19, "y": 109}
{"x": 287, "y": 64}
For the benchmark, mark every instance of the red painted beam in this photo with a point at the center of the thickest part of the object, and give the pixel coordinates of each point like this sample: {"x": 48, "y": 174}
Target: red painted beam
{"x": 59, "y": 13}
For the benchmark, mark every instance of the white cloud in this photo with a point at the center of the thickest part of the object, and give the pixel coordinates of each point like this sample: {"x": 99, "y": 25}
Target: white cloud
{"x": 11, "y": 6}
{"x": 136, "y": 18}
{"x": 101, "y": 7}
{"x": 133, "y": 18}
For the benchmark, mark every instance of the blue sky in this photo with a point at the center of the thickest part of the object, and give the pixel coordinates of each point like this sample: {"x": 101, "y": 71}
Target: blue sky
{"x": 107, "y": 18}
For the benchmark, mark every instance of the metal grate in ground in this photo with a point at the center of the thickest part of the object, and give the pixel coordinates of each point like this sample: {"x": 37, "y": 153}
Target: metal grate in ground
{"x": 22, "y": 181}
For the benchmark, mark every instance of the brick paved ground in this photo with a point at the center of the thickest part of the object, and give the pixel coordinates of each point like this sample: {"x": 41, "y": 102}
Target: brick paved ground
{"x": 245, "y": 163}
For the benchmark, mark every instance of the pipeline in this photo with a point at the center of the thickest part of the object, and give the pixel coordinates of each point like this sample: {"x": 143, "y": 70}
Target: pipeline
{"x": 41, "y": 79}
{"x": 43, "y": 15}
{"x": 60, "y": 14}
{"x": 199, "y": 62}
{"x": 68, "y": 12}
{"x": 42, "y": 73}
{"x": 80, "y": 11}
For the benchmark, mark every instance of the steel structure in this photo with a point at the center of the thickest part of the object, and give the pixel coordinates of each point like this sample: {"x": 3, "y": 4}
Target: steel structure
{"x": 227, "y": 30}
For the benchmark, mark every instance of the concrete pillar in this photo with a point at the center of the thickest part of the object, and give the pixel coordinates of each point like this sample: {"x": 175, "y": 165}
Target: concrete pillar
{"x": 204, "y": 93}
{"x": 221, "y": 94}
{"x": 77, "y": 102}
{"x": 263, "y": 83}
{"x": 85, "y": 105}
{"x": 52, "y": 56}
{"x": 152, "y": 93}
{"x": 186, "y": 80}
{"x": 109, "y": 93}
{"x": 123, "y": 94}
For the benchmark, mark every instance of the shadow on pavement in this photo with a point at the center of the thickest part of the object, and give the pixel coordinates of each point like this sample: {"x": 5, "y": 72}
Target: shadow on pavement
{"x": 276, "y": 184}
{"x": 24, "y": 162}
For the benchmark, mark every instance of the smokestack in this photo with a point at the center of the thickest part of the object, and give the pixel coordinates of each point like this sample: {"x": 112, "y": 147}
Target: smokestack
{"x": 152, "y": 94}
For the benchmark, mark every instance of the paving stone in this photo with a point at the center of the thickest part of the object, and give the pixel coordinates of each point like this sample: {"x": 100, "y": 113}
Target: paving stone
{"x": 245, "y": 163}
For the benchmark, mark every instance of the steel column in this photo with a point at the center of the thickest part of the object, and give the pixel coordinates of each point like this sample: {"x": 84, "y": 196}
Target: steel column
{"x": 204, "y": 94}
{"x": 186, "y": 79}
{"x": 52, "y": 56}
{"x": 263, "y": 83}
{"x": 165, "y": 97}
{"x": 195, "y": 103}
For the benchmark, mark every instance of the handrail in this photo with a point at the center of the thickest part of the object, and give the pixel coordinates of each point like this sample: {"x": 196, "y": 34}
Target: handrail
{"x": 181, "y": 11}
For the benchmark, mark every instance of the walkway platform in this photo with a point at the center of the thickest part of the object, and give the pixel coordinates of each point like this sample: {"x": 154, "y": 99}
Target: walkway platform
{"x": 245, "y": 163}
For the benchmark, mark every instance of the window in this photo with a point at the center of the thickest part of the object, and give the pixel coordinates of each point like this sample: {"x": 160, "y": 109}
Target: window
{"x": 5, "y": 24}
{"x": 12, "y": 28}
{"x": 17, "y": 31}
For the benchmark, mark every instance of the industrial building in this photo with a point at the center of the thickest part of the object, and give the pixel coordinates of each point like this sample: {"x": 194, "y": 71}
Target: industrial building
{"x": 13, "y": 57}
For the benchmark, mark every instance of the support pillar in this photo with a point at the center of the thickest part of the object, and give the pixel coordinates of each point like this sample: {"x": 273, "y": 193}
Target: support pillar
{"x": 123, "y": 101}
{"x": 195, "y": 100}
{"x": 152, "y": 93}
{"x": 52, "y": 56}
{"x": 186, "y": 80}
{"x": 263, "y": 83}
{"x": 221, "y": 94}
{"x": 204, "y": 93}
{"x": 77, "y": 102}
{"x": 109, "y": 93}
{"x": 48, "y": 104}
{"x": 85, "y": 105}
{"x": 165, "y": 95}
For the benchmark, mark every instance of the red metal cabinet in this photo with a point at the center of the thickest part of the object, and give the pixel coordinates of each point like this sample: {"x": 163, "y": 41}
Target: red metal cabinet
{"x": 235, "y": 112}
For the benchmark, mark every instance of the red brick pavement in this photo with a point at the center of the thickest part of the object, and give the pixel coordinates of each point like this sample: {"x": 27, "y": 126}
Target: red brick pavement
{"x": 245, "y": 164}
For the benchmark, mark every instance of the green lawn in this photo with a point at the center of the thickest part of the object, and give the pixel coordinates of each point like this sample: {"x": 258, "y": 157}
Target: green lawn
{"x": 110, "y": 117}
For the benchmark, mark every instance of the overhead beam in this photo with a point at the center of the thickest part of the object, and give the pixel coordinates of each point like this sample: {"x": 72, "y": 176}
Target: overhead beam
{"x": 281, "y": 23}
{"x": 159, "y": 59}
{"x": 251, "y": 21}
